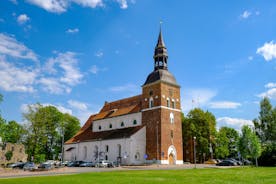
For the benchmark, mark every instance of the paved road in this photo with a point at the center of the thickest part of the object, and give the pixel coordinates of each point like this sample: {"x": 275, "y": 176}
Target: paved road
{"x": 10, "y": 173}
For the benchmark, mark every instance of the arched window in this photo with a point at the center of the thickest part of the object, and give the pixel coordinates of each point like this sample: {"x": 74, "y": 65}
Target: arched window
{"x": 106, "y": 148}
{"x": 100, "y": 127}
{"x": 171, "y": 117}
{"x": 122, "y": 124}
{"x": 106, "y": 157}
{"x": 173, "y": 103}
{"x": 110, "y": 125}
{"x": 134, "y": 122}
{"x": 151, "y": 102}
{"x": 119, "y": 150}
{"x": 168, "y": 102}
{"x": 84, "y": 152}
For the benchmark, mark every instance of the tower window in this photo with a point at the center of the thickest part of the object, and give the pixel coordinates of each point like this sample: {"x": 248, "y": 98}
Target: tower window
{"x": 106, "y": 148}
{"x": 100, "y": 127}
{"x": 122, "y": 124}
{"x": 171, "y": 117}
{"x": 151, "y": 93}
{"x": 173, "y": 104}
{"x": 168, "y": 102}
{"x": 134, "y": 122}
{"x": 110, "y": 125}
{"x": 171, "y": 133}
{"x": 151, "y": 102}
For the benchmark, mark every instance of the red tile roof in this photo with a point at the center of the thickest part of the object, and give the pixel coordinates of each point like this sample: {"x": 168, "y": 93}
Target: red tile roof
{"x": 109, "y": 110}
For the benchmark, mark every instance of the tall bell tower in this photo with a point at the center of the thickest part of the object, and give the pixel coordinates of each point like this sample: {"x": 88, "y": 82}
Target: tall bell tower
{"x": 161, "y": 111}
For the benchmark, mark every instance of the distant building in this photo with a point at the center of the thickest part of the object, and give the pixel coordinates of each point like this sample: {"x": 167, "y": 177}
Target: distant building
{"x": 18, "y": 153}
{"x": 141, "y": 129}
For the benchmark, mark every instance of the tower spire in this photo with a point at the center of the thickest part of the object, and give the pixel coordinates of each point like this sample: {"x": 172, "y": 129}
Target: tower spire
{"x": 160, "y": 53}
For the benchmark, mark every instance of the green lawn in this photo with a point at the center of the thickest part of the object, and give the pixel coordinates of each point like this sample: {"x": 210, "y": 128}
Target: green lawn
{"x": 214, "y": 176}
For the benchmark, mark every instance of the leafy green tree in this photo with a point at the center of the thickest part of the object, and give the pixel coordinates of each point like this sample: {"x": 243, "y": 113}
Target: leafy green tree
{"x": 201, "y": 125}
{"x": 222, "y": 144}
{"x": 265, "y": 126}
{"x": 249, "y": 144}
{"x": 13, "y": 132}
{"x": 46, "y": 126}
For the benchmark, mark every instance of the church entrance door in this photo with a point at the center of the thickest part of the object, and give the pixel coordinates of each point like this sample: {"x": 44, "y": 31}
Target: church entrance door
{"x": 171, "y": 159}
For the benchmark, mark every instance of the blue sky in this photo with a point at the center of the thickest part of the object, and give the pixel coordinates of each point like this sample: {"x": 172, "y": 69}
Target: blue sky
{"x": 77, "y": 54}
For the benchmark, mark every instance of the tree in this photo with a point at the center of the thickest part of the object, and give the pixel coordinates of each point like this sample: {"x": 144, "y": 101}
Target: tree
{"x": 249, "y": 144}
{"x": 265, "y": 126}
{"x": 46, "y": 126}
{"x": 222, "y": 144}
{"x": 8, "y": 155}
{"x": 201, "y": 125}
{"x": 13, "y": 132}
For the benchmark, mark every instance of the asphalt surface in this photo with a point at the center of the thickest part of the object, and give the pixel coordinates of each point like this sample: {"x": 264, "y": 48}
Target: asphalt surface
{"x": 15, "y": 173}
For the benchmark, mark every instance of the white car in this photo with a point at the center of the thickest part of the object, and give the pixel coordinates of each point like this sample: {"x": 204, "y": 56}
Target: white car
{"x": 103, "y": 163}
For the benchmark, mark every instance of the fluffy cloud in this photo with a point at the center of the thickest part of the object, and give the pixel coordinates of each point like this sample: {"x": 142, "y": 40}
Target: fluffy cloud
{"x": 16, "y": 79}
{"x": 11, "y": 47}
{"x": 233, "y": 122}
{"x": 268, "y": 51}
{"x": 271, "y": 91}
{"x": 270, "y": 85}
{"x": 25, "y": 107}
{"x": 245, "y": 14}
{"x": 53, "y": 86}
{"x": 72, "y": 31}
{"x": 56, "y": 6}
{"x": 94, "y": 69}
{"x": 60, "y": 6}
{"x": 68, "y": 63}
{"x": 77, "y": 105}
{"x": 22, "y": 19}
{"x": 224, "y": 105}
{"x": 123, "y": 4}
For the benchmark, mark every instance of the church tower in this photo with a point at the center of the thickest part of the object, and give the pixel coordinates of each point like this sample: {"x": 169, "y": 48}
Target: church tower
{"x": 161, "y": 111}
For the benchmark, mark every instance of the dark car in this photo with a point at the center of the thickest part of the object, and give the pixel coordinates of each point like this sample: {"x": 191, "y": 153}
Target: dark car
{"x": 87, "y": 164}
{"x": 29, "y": 166}
{"x": 74, "y": 163}
{"x": 17, "y": 165}
{"x": 226, "y": 163}
{"x": 45, "y": 166}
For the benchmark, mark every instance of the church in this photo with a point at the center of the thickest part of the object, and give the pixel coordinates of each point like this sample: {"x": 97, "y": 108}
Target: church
{"x": 140, "y": 129}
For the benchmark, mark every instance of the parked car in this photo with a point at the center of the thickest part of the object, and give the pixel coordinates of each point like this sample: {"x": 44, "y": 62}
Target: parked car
{"x": 247, "y": 162}
{"x": 17, "y": 165}
{"x": 226, "y": 163}
{"x": 210, "y": 161}
{"x": 87, "y": 164}
{"x": 104, "y": 163}
{"x": 29, "y": 166}
{"x": 74, "y": 163}
{"x": 45, "y": 166}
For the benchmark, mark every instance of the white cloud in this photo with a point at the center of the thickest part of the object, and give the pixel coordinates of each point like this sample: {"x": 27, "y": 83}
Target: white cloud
{"x": 123, "y": 4}
{"x": 224, "y": 105}
{"x": 11, "y": 47}
{"x": 16, "y": 79}
{"x": 245, "y": 14}
{"x": 270, "y": 85}
{"x": 22, "y": 19}
{"x": 56, "y": 6}
{"x": 61, "y": 6}
{"x": 268, "y": 51}
{"x": 53, "y": 86}
{"x": 68, "y": 62}
{"x": 99, "y": 54}
{"x": 89, "y": 3}
{"x": 270, "y": 93}
{"x": 196, "y": 97}
{"x": 77, "y": 105}
{"x": 233, "y": 122}
{"x": 25, "y": 107}
{"x": 72, "y": 31}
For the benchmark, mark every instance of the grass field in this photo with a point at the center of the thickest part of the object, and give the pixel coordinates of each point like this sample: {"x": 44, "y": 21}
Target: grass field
{"x": 216, "y": 176}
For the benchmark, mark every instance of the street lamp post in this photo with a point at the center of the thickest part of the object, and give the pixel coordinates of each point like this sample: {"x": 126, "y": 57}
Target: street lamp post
{"x": 195, "y": 151}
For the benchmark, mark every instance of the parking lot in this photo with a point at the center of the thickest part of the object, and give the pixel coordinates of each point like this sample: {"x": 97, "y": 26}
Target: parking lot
{"x": 14, "y": 173}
